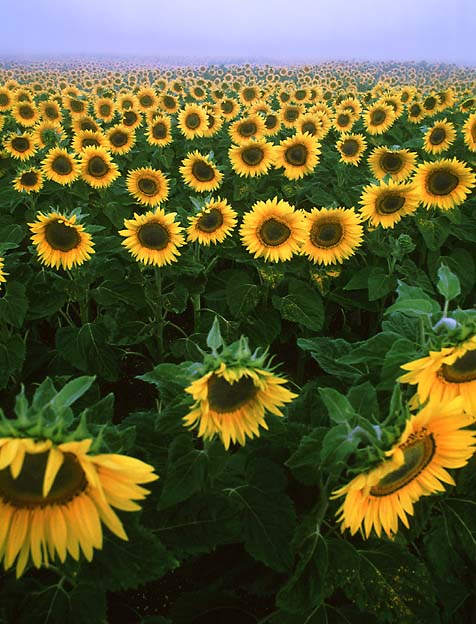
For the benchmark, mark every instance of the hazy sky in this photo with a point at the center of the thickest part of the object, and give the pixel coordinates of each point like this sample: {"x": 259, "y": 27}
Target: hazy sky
{"x": 443, "y": 30}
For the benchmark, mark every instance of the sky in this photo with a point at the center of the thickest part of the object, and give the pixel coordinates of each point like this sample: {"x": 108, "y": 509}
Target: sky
{"x": 279, "y": 30}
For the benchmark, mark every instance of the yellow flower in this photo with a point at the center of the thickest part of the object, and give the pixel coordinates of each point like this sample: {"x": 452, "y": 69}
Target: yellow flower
{"x": 433, "y": 440}
{"x": 54, "y": 497}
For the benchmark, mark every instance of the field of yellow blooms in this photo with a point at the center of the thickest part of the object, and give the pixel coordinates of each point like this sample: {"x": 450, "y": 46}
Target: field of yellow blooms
{"x": 238, "y": 343}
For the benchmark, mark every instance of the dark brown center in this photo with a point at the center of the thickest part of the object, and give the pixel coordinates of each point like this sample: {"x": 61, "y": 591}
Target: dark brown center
{"x": 225, "y": 397}
{"x": 61, "y": 236}
{"x": 326, "y": 234}
{"x": 418, "y": 453}
{"x": 148, "y": 186}
{"x": 62, "y": 165}
{"x": 389, "y": 203}
{"x": 462, "y": 370}
{"x": 274, "y": 233}
{"x": 441, "y": 182}
{"x": 202, "y": 171}
{"x": 26, "y": 491}
{"x": 153, "y": 236}
{"x": 210, "y": 220}
{"x": 97, "y": 167}
{"x": 252, "y": 156}
{"x": 296, "y": 155}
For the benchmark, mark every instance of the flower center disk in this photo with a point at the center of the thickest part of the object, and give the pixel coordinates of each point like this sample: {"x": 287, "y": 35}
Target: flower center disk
{"x": 389, "y": 204}
{"x": 296, "y": 155}
{"x": 226, "y": 397}
{"x": 326, "y": 234}
{"x": 61, "y": 236}
{"x": 442, "y": 182}
{"x": 274, "y": 232}
{"x": 27, "y": 489}
{"x": 417, "y": 455}
{"x": 462, "y": 370}
{"x": 210, "y": 221}
{"x": 153, "y": 236}
{"x": 202, "y": 171}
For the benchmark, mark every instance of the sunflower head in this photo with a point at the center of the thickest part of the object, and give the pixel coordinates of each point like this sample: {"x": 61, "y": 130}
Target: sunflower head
{"x": 56, "y": 491}
{"x": 153, "y": 238}
{"x": 433, "y": 440}
{"x": 273, "y": 230}
{"x": 444, "y": 183}
{"x": 200, "y": 173}
{"x": 60, "y": 241}
{"x": 234, "y": 390}
{"x": 385, "y": 204}
{"x": 297, "y": 155}
{"x": 213, "y": 223}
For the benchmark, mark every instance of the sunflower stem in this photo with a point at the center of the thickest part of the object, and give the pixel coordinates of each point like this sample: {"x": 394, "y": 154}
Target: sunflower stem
{"x": 158, "y": 314}
{"x": 196, "y": 303}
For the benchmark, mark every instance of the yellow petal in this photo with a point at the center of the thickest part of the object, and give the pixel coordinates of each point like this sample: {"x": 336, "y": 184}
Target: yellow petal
{"x": 54, "y": 463}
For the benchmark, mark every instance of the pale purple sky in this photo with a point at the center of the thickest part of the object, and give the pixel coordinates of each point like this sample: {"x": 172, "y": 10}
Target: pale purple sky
{"x": 285, "y": 30}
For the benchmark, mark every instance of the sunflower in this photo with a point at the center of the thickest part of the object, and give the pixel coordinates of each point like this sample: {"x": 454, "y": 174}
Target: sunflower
{"x": 132, "y": 119}
{"x": 253, "y": 158}
{"x": 25, "y": 113}
{"x": 214, "y": 122}
{"x": 249, "y": 94}
{"x": 50, "y": 111}
{"x": 149, "y": 186}
{"x": 30, "y": 181}
{"x": 158, "y": 131}
{"x": 469, "y": 132}
{"x": 85, "y": 123}
{"x": 272, "y": 124}
{"x": 54, "y": 497}
{"x": 439, "y": 137}
{"x": 331, "y": 234}
{"x": 6, "y": 99}
{"x": 231, "y": 402}
{"x": 60, "y": 166}
{"x": 200, "y": 173}
{"x": 147, "y": 99}
{"x": 229, "y": 108}
{"x": 60, "y": 241}
{"x": 273, "y": 229}
{"x": 47, "y": 134}
{"x": 443, "y": 184}
{"x": 432, "y": 441}
{"x": 213, "y": 223}
{"x": 104, "y": 108}
{"x": 443, "y": 375}
{"x": 168, "y": 103}
{"x": 246, "y": 128}
{"x": 398, "y": 163}
{"x": 351, "y": 148}
{"x": 386, "y": 203}
{"x": 121, "y": 139}
{"x": 298, "y": 155}
{"x": 344, "y": 120}
{"x": 416, "y": 112}
{"x": 378, "y": 118}
{"x": 20, "y": 146}
{"x": 192, "y": 121}
{"x": 88, "y": 138}
{"x": 289, "y": 115}
{"x": 97, "y": 167}
{"x": 2, "y": 272}
{"x": 153, "y": 238}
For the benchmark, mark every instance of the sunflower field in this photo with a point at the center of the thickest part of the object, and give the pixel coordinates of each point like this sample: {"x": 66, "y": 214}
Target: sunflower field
{"x": 238, "y": 347}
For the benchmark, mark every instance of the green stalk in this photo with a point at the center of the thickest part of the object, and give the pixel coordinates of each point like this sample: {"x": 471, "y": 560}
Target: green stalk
{"x": 158, "y": 311}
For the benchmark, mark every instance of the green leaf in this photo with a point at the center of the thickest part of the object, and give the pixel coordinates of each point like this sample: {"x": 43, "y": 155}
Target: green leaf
{"x": 12, "y": 356}
{"x": 363, "y": 399}
{"x": 123, "y": 565}
{"x": 186, "y": 472}
{"x": 268, "y": 522}
{"x": 305, "y": 589}
{"x": 242, "y": 296}
{"x": 380, "y": 284}
{"x": 14, "y": 304}
{"x": 214, "y": 338}
{"x": 339, "y": 408}
{"x": 169, "y": 379}
{"x": 303, "y": 305}
{"x": 434, "y": 229}
{"x": 88, "y": 349}
{"x": 413, "y": 301}
{"x": 306, "y": 460}
{"x": 71, "y": 392}
{"x": 401, "y": 352}
{"x": 327, "y": 351}
{"x": 338, "y": 445}
{"x": 448, "y": 283}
